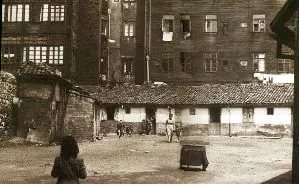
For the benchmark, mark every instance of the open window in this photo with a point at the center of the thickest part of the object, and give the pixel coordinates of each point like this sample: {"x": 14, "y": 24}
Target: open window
{"x": 185, "y": 26}
{"x": 211, "y": 24}
{"x": 259, "y": 62}
{"x": 259, "y": 23}
{"x": 168, "y": 27}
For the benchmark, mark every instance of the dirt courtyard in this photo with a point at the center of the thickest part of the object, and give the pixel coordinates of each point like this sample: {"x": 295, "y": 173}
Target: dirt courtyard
{"x": 150, "y": 159}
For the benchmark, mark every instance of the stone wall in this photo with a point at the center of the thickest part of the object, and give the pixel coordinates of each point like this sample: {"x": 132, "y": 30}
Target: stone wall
{"x": 7, "y": 110}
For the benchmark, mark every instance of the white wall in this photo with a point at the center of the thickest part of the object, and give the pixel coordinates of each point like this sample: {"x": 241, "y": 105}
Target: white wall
{"x": 201, "y": 116}
{"x": 282, "y": 115}
{"x": 232, "y": 115}
{"x": 103, "y": 114}
{"x": 162, "y": 114}
{"x": 136, "y": 115}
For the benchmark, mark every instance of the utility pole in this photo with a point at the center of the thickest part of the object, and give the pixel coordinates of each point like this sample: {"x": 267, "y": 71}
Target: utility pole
{"x": 140, "y": 43}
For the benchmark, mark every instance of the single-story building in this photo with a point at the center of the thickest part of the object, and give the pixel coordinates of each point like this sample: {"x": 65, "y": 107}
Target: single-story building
{"x": 211, "y": 109}
{"x": 49, "y": 106}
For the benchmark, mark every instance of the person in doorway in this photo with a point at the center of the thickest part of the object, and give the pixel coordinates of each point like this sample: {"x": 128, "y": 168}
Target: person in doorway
{"x": 120, "y": 129}
{"x": 68, "y": 168}
{"x": 170, "y": 127}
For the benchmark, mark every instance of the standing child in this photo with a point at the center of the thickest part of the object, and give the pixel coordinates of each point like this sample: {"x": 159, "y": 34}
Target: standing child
{"x": 68, "y": 168}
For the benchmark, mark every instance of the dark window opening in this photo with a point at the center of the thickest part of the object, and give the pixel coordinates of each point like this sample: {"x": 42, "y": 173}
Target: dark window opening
{"x": 185, "y": 62}
{"x": 192, "y": 111}
{"x": 167, "y": 61}
{"x": 186, "y": 25}
{"x": 270, "y": 111}
{"x": 215, "y": 115}
{"x": 110, "y": 113}
{"x": 225, "y": 64}
{"x": 127, "y": 110}
{"x": 127, "y": 66}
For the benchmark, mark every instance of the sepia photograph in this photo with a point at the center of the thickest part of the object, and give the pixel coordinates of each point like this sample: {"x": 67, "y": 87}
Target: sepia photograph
{"x": 149, "y": 92}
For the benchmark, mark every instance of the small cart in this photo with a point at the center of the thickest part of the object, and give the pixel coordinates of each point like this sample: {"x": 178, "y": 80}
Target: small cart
{"x": 193, "y": 155}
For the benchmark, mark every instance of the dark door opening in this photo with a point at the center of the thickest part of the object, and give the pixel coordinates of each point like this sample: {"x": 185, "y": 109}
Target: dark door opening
{"x": 215, "y": 115}
{"x": 151, "y": 119}
{"x": 215, "y": 121}
{"x": 110, "y": 113}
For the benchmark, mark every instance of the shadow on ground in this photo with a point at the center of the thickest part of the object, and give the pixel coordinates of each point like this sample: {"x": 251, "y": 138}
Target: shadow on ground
{"x": 285, "y": 178}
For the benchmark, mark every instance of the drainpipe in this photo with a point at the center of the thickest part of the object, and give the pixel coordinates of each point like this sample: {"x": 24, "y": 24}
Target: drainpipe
{"x": 229, "y": 124}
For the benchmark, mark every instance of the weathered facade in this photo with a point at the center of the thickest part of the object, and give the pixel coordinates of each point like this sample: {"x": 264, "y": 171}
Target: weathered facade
{"x": 213, "y": 40}
{"x": 49, "y": 107}
{"x": 69, "y": 35}
{"x": 211, "y": 109}
{"x": 122, "y": 36}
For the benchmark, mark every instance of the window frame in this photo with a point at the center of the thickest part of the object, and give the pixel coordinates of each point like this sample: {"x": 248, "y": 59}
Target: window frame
{"x": 125, "y": 69}
{"x": 167, "y": 28}
{"x": 256, "y": 60}
{"x": 127, "y": 4}
{"x": 284, "y": 62}
{"x": 270, "y": 111}
{"x": 185, "y": 61}
{"x": 192, "y": 111}
{"x": 257, "y": 20}
{"x": 207, "y": 21}
{"x": 168, "y": 59}
{"x": 127, "y": 110}
{"x": 128, "y": 29}
{"x": 210, "y": 60}
{"x": 15, "y": 12}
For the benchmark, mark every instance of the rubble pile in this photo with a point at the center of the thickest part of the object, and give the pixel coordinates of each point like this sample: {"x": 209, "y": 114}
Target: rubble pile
{"x": 7, "y": 93}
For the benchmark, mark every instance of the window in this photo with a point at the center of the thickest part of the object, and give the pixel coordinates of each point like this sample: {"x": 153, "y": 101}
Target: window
{"x": 44, "y": 12}
{"x": 192, "y": 111}
{"x": 104, "y": 27}
{"x": 116, "y": 1}
{"x": 127, "y": 66}
{"x": 186, "y": 25}
{"x": 8, "y": 54}
{"x": 128, "y": 29}
{"x": 16, "y": 13}
{"x": 128, "y": 3}
{"x": 167, "y": 62}
{"x": 211, "y": 23}
{"x": 270, "y": 111}
{"x": 185, "y": 60}
{"x": 127, "y": 110}
{"x": 225, "y": 27}
{"x": 57, "y": 12}
{"x": 210, "y": 62}
{"x": 225, "y": 63}
{"x": 167, "y": 27}
{"x": 52, "y": 54}
{"x": 35, "y": 53}
{"x": 285, "y": 66}
{"x": 56, "y": 55}
{"x": 259, "y": 23}
{"x": 259, "y": 62}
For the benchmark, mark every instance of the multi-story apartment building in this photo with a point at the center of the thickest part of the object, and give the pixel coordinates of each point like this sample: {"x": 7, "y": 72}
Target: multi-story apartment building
{"x": 69, "y": 35}
{"x": 213, "y": 40}
{"x": 122, "y": 27}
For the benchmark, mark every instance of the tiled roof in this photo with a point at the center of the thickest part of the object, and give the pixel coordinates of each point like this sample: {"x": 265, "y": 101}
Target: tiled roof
{"x": 40, "y": 68}
{"x": 195, "y": 95}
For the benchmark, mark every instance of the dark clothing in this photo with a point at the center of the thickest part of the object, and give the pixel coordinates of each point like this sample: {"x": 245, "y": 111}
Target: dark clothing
{"x": 68, "y": 171}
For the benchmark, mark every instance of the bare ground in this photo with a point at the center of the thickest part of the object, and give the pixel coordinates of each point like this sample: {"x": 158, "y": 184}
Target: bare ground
{"x": 150, "y": 159}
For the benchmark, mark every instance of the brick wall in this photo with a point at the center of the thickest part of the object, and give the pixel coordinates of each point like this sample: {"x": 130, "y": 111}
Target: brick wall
{"x": 79, "y": 118}
{"x": 233, "y": 45}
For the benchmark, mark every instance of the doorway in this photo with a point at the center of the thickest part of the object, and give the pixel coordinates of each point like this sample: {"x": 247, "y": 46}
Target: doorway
{"x": 151, "y": 118}
{"x": 215, "y": 121}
